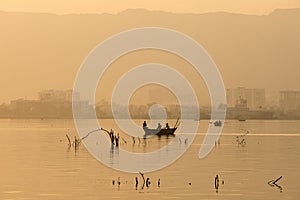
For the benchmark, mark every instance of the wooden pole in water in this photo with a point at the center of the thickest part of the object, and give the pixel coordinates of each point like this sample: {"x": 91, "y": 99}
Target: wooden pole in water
{"x": 143, "y": 179}
{"x": 68, "y": 139}
{"x": 89, "y": 134}
{"x": 274, "y": 182}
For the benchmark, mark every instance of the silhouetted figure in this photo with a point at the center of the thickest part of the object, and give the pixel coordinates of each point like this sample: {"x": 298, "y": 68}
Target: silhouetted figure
{"x": 167, "y": 126}
{"x": 136, "y": 182}
{"x": 158, "y": 183}
{"x": 158, "y": 126}
{"x": 133, "y": 140}
{"x": 113, "y": 182}
{"x": 217, "y": 183}
{"x": 144, "y": 124}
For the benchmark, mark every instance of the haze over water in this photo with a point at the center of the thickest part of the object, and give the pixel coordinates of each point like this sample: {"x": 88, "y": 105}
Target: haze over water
{"x": 36, "y": 163}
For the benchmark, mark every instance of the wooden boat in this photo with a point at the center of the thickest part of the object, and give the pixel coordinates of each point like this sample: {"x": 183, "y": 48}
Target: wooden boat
{"x": 159, "y": 132}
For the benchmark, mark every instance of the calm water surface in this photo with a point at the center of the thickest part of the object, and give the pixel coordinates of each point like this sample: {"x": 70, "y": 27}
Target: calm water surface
{"x": 36, "y": 163}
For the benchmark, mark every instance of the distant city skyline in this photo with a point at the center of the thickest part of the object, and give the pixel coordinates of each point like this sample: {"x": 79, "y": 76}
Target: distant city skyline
{"x": 246, "y": 103}
{"x": 256, "y": 97}
{"x": 272, "y": 96}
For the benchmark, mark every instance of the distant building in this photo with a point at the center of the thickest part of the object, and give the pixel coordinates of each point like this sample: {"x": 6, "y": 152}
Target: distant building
{"x": 254, "y": 98}
{"x": 57, "y": 95}
{"x": 289, "y": 100}
{"x": 241, "y": 103}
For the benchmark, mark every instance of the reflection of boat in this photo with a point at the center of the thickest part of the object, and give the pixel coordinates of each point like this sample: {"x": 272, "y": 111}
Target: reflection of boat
{"x": 162, "y": 131}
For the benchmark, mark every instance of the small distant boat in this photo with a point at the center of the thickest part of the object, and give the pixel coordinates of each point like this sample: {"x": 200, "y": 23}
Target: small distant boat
{"x": 218, "y": 123}
{"x": 241, "y": 119}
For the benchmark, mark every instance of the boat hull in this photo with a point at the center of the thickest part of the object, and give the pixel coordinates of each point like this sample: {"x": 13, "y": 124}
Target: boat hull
{"x": 159, "y": 132}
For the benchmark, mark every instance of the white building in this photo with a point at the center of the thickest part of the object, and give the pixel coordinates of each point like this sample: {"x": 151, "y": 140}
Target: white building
{"x": 289, "y": 100}
{"x": 255, "y": 97}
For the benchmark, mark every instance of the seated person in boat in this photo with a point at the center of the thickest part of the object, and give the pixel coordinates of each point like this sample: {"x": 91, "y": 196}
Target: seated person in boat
{"x": 167, "y": 126}
{"x": 158, "y": 126}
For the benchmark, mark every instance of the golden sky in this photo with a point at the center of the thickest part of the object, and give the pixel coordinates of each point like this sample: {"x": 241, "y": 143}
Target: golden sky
{"x": 115, "y": 6}
{"x": 40, "y": 52}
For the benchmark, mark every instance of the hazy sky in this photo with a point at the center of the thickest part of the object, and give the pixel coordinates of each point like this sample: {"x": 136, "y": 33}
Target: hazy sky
{"x": 36, "y": 56}
{"x": 114, "y": 6}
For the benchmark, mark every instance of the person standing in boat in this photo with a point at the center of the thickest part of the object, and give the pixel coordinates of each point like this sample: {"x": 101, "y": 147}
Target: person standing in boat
{"x": 144, "y": 124}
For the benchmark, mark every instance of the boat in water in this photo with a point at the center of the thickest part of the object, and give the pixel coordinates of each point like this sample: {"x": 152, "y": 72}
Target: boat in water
{"x": 218, "y": 123}
{"x": 159, "y": 131}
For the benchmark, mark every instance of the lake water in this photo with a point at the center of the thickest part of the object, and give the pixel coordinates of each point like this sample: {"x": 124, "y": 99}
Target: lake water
{"x": 36, "y": 163}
